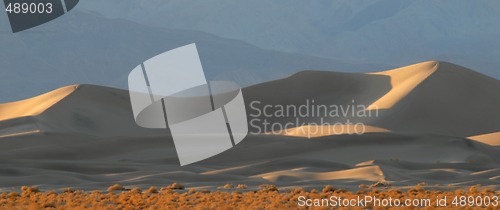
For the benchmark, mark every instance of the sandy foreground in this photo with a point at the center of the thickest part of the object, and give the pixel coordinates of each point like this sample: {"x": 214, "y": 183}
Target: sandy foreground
{"x": 267, "y": 197}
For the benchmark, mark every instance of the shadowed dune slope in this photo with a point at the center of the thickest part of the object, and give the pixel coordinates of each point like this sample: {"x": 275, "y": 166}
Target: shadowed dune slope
{"x": 55, "y": 161}
{"x": 314, "y": 87}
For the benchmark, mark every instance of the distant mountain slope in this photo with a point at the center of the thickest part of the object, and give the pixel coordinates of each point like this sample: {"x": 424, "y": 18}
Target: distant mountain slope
{"x": 447, "y": 99}
{"x": 380, "y": 31}
{"x": 86, "y": 48}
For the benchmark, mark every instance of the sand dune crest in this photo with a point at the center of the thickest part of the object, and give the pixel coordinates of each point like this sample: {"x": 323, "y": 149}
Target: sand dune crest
{"x": 403, "y": 81}
{"x": 492, "y": 139}
{"x": 36, "y": 105}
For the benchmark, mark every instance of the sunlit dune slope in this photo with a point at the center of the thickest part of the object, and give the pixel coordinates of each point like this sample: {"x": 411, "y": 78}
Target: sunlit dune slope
{"x": 403, "y": 81}
{"x": 491, "y": 138}
{"x": 36, "y": 105}
{"x": 310, "y": 131}
{"x": 369, "y": 173}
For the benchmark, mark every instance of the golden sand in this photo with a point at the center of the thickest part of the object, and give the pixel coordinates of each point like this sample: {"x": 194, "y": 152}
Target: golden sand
{"x": 492, "y": 139}
{"x": 36, "y": 105}
{"x": 403, "y": 81}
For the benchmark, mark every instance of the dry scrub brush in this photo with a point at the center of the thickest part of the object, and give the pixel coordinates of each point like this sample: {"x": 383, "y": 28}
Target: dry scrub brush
{"x": 268, "y": 197}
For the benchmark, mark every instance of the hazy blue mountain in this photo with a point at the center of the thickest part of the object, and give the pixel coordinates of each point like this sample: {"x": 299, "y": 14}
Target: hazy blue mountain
{"x": 83, "y": 47}
{"x": 380, "y": 31}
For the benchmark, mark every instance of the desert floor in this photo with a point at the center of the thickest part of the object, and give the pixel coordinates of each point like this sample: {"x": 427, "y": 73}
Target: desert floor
{"x": 236, "y": 197}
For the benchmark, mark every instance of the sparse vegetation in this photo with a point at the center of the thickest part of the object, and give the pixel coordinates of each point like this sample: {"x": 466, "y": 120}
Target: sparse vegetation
{"x": 136, "y": 190}
{"x": 266, "y": 198}
{"x": 175, "y": 186}
{"x": 328, "y": 188}
{"x": 268, "y": 188}
{"x": 68, "y": 190}
{"x": 115, "y": 187}
{"x": 226, "y": 186}
{"x": 363, "y": 186}
{"x": 297, "y": 190}
{"x": 152, "y": 189}
{"x": 29, "y": 190}
{"x": 380, "y": 184}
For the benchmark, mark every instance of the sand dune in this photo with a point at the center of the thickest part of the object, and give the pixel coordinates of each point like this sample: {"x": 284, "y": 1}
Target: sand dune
{"x": 429, "y": 97}
{"x": 491, "y": 138}
{"x": 403, "y": 81}
{"x": 87, "y": 138}
{"x": 453, "y": 101}
{"x": 325, "y": 88}
{"x": 77, "y": 109}
{"x": 90, "y": 163}
{"x": 370, "y": 173}
{"x": 34, "y": 106}
{"x": 312, "y": 131}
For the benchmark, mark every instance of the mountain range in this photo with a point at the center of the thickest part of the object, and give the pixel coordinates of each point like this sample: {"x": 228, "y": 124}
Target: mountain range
{"x": 85, "y": 47}
{"x": 395, "y": 33}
